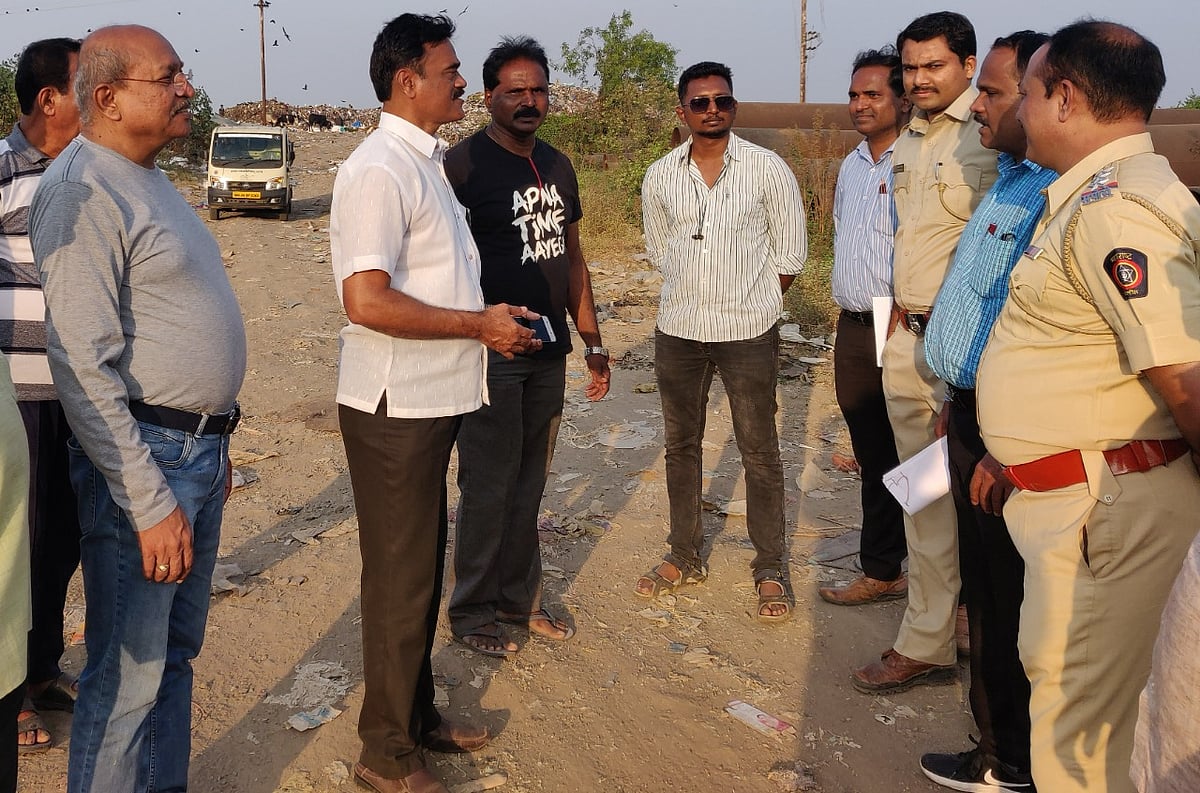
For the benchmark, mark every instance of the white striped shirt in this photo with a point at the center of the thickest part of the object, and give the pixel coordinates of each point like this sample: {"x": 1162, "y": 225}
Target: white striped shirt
{"x": 725, "y": 285}
{"x": 22, "y": 307}
{"x": 864, "y": 226}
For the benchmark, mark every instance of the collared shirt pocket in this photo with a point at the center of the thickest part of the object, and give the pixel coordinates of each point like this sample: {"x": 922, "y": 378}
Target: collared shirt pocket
{"x": 959, "y": 188}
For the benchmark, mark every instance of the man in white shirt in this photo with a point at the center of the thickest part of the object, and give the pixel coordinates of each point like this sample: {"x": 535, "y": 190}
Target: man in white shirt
{"x": 724, "y": 224}
{"x": 412, "y": 363}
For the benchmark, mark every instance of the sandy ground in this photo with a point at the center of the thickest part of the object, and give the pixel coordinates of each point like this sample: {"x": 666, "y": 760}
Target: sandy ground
{"x": 635, "y": 702}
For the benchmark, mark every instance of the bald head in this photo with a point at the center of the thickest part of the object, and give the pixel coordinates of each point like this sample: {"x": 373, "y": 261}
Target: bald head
{"x": 133, "y": 94}
{"x": 109, "y": 54}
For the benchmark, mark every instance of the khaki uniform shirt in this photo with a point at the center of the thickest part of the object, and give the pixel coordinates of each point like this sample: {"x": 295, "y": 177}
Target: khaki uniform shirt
{"x": 1108, "y": 288}
{"x": 941, "y": 173}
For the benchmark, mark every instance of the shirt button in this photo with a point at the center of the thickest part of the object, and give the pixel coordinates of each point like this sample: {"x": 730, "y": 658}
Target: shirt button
{"x": 1108, "y": 499}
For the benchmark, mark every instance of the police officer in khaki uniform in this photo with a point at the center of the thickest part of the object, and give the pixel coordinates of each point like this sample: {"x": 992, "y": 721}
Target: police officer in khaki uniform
{"x": 1090, "y": 379}
{"x": 941, "y": 173}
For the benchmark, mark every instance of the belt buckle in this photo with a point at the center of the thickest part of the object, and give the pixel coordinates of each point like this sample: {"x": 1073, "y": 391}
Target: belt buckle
{"x": 231, "y": 417}
{"x": 913, "y": 323}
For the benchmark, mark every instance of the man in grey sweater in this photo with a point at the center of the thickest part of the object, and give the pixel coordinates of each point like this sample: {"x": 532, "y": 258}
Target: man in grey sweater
{"x": 147, "y": 350}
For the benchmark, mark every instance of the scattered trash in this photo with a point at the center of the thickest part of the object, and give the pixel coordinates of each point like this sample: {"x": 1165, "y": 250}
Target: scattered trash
{"x": 677, "y": 648}
{"x": 736, "y": 508}
{"x": 568, "y": 477}
{"x": 813, "y": 478}
{"x": 791, "y": 333}
{"x": 221, "y": 576}
{"x": 610, "y": 681}
{"x": 699, "y": 656}
{"x": 885, "y": 719}
{"x": 337, "y": 772}
{"x": 289, "y": 510}
{"x": 846, "y": 463}
{"x": 309, "y": 536}
{"x": 627, "y": 435}
{"x": 243, "y": 476}
{"x": 307, "y": 720}
{"x": 645, "y": 388}
{"x": 489, "y": 782}
{"x": 238, "y": 457}
{"x": 757, "y": 719}
{"x": 792, "y": 778}
{"x": 655, "y": 615}
{"x": 441, "y": 697}
{"x": 317, "y": 683}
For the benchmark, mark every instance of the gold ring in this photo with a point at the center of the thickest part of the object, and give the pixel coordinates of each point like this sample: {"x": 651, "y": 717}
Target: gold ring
{"x": 164, "y": 567}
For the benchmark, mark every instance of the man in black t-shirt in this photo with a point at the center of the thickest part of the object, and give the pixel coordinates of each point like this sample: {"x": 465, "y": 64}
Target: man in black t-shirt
{"x": 523, "y": 201}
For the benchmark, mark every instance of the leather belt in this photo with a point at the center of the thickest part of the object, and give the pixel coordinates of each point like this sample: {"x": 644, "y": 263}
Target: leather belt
{"x": 861, "y": 317}
{"x": 1066, "y": 468}
{"x": 182, "y": 420}
{"x": 914, "y": 321}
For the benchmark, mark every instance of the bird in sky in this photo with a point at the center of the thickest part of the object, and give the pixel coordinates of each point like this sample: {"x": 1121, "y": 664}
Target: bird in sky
{"x": 276, "y": 44}
{"x": 285, "y": 33}
{"x": 304, "y": 87}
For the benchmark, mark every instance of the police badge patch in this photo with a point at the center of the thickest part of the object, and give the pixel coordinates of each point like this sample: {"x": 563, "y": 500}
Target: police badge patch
{"x": 1127, "y": 269}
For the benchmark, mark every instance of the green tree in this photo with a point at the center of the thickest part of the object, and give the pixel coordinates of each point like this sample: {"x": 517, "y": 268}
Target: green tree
{"x": 195, "y": 145}
{"x": 630, "y": 124}
{"x": 10, "y": 109}
{"x": 618, "y": 58}
{"x": 1192, "y": 101}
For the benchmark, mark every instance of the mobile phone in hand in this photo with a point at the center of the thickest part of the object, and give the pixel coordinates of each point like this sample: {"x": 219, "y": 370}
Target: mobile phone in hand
{"x": 541, "y": 328}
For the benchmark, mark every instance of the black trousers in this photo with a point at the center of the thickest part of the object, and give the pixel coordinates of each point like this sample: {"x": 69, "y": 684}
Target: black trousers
{"x": 53, "y": 533}
{"x": 993, "y": 585}
{"x": 10, "y": 708}
{"x": 859, "y": 386}
{"x": 398, "y": 474}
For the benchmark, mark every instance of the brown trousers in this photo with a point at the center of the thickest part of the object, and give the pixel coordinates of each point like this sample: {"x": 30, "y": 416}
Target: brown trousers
{"x": 398, "y": 474}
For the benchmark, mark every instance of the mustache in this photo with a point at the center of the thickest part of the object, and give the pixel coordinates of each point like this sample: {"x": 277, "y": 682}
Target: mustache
{"x": 527, "y": 112}
{"x": 185, "y": 106}
{"x": 459, "y": 93}
{"x": 979, "y": 120}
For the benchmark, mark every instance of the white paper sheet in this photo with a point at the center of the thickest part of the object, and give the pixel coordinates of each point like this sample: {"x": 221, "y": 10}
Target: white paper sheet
{"x": 921, "y": 479}
{"x": 881, "y": 308}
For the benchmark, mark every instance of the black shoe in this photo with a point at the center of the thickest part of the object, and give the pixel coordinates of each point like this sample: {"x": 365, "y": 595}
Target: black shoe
{"x": 969, "y": 772}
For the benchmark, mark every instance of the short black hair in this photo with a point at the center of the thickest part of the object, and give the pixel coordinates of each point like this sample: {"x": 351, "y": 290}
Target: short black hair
{"x": 956, "y": 28}
{"x": 701, "y": 70}
{"x": 1117, "y": 69}
{"x": 510, "y": 49}
{"x": 43, "y": 64}
{"x": 886, "y": 57}
{"x": 1023, "y": 43}
{"x": 401, "y": 45}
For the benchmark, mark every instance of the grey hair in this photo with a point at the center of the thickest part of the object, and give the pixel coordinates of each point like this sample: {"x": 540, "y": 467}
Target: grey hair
{"x": 97, "y": 66}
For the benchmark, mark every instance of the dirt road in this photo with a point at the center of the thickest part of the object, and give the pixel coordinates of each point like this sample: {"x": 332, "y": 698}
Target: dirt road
{"x": 635, "y": 702}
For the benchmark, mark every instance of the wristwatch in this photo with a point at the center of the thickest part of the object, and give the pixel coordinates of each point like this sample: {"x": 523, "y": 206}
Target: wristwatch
{"x": 595, "y": 351}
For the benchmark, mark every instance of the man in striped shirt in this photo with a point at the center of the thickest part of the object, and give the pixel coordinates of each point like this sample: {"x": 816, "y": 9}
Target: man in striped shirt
{"x": 864, "y": 218}
{"x": 967, "y": 307}
{"x": 49, "y": 120}
{"x": 724, "y": 224}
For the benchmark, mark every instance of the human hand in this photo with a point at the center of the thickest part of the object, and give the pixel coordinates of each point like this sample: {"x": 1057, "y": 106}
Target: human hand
{"x": 990, "y": 488}
{"x": 598, "y": 386}
{"x": 168, "y": 544}
{"x": 501, "y": 333}
{"x": 943, "y": 421}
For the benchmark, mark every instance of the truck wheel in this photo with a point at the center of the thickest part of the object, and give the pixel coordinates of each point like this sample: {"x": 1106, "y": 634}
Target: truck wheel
{"x": 214, "y": 213}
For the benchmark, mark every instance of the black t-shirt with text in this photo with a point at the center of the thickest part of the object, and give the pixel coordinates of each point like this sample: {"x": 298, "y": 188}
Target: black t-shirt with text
{"x": 519, "y": 209}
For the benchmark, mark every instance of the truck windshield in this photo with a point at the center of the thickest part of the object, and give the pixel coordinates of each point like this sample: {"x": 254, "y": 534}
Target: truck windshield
{"x": 247, "y": 151}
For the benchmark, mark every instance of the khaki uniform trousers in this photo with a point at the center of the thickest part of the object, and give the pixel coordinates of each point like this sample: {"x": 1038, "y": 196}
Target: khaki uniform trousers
{"x": 914, "y": 397}
{"x": 1096, "y": 580}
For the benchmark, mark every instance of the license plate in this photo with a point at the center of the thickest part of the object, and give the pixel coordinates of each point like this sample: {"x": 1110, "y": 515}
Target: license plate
{"x": 247, "y": 194}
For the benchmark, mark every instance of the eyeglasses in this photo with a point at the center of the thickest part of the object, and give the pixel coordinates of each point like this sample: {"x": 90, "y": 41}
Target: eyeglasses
{"x": 177, "y": 82}
{"x": 724, "y": 103}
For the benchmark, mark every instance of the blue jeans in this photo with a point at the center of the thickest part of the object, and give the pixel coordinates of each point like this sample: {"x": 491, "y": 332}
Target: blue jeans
{"x": 132, "y": 725}
{"x": 748, "y": 368}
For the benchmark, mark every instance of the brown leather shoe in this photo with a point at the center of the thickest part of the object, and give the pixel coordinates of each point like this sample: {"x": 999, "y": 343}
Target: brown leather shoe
{"x": 894, "y": 672}
{"x": 419, "y": 781}
{"x": 453, "y": 738}
{"x": 865, "y": 589}
{"x": 962, "y": 632}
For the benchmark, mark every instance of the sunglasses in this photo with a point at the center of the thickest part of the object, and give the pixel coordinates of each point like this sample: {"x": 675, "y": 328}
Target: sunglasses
{"x": 724, "y": 103}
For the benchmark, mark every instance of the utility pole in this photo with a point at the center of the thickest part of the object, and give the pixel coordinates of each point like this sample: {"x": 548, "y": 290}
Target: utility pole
{"x": 803, "y": 50}
{"x": 262, "y": 58}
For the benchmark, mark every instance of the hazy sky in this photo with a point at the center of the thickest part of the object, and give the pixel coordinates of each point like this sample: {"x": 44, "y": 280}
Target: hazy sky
{"x": 331, "y": 39}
